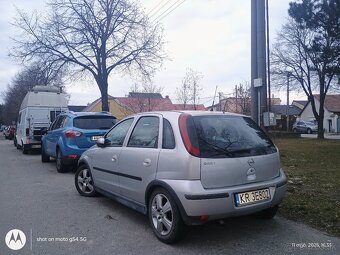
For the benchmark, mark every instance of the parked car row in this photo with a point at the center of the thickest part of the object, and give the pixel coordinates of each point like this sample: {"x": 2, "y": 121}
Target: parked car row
{"x": 9, "y": 132}
{"x": 178, "y": 168}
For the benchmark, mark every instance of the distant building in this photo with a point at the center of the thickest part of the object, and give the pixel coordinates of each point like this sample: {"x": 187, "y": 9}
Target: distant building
{"x": 238, "y": 105}
{"x": 76, "y": 108}
{"x": 137, "y": 102}
{"x": 300, "y": 103}
{"x": 281, "y": 115}
{"x": 331, "y": 121}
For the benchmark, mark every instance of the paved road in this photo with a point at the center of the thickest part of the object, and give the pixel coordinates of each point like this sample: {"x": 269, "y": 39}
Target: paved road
{"x": 44, "y": 204}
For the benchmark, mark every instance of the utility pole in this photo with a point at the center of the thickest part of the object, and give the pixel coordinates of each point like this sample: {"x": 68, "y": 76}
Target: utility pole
{"x": 287, "y": 108}
{"x": 236, "y": 95}
{"x": 258, "y": 60}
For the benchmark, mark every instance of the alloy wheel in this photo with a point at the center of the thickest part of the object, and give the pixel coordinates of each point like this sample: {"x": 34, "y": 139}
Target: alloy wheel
{"x": 162, "y": 214}
{"x": 84, "y": 181}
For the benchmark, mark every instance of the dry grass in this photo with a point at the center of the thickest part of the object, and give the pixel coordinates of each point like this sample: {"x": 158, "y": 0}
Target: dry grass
{"x": 313, "y": 168}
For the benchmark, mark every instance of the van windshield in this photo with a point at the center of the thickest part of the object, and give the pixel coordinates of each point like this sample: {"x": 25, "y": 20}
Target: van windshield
{"x": 94, "y": 122}
{"x": 231, "y": 136}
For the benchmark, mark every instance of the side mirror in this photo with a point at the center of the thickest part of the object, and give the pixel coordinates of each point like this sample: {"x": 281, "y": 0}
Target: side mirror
{"x": 101, "y": 142}
{"x": 43, "y": 131}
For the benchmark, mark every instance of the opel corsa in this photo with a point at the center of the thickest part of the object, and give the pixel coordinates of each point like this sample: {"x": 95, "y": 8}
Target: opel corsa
{"x": 185, "y": 168}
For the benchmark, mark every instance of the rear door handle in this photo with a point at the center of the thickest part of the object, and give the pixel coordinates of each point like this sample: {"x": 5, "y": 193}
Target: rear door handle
{"x": 147, "y": 162}
{"x": 114, "y": 158}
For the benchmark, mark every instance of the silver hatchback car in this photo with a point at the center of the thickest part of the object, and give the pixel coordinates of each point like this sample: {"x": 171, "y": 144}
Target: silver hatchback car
{"x": 185, "y": 168}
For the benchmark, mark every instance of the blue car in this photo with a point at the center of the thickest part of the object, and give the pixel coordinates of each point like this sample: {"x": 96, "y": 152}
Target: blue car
{"x": 71, "y": 134}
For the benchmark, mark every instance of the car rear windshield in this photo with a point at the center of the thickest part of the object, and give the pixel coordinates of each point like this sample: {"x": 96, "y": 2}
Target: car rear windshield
{"x": 94, "y": 122}
{"x": 230, "y": 136}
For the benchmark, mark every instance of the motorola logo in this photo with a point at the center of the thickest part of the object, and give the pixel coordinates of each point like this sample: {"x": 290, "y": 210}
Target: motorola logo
{"x": 15, "y": 239}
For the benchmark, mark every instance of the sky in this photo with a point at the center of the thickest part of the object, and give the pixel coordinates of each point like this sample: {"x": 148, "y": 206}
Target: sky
{"x": 209, "y": 36}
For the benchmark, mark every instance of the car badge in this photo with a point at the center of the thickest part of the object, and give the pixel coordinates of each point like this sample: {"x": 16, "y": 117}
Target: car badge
{"x": 251, "y": 162}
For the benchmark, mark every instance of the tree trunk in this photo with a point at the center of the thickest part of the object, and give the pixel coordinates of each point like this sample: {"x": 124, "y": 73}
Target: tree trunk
{"x": 321, "y": 117}
{"x": 103, "y": 85}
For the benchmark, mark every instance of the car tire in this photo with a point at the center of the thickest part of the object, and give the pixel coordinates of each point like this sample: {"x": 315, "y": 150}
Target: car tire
{"x": 15, "y": 142}
{"x": 60, "y": 165}
{"x": 166, "y": 223}
{"x": 18, "y": 146}
{"x": 24, "y": 150}
{"x": 294, "y": 130}
{"x": 84, "y": 182}
{"x": 269, "y": 213}
{"x": 44, "y": 157}
{"x": 309, "y": 131}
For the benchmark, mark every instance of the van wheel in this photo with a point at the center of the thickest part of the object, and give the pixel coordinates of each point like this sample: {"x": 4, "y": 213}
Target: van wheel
{"x": 15, "y": 142}
{"x": 84, "y": 182}
{"x": 309, "y": 131}
{"x": 61, "y": 167}
{"x": 165, "y": 218}
{"x": 268, "y": 213}
{"x": 44, "y": 156}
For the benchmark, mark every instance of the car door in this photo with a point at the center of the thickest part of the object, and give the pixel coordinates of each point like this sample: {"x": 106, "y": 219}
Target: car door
{"x": 139, "y": 158}
{"x": 106, "y": 159}
{"x": 53, "y": 135}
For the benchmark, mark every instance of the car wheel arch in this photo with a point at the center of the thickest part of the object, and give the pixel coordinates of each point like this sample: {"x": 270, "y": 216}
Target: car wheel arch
{"x": 160, "y": 184}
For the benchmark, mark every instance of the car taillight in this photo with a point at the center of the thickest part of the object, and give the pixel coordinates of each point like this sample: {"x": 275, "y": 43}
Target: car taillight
{"x": 187, "y": 140}
{"x": 72, "y": 133}
{"x": 27, "y": 131}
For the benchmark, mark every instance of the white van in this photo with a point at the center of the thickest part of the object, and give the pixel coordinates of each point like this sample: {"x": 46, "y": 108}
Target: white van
{"x": 37, "y": 111}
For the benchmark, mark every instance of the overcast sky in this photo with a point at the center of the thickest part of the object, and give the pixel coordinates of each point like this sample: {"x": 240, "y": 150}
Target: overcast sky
{"x": 209, "y": 36}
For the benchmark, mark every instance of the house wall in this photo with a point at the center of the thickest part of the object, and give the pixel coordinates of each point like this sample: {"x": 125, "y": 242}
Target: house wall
{"x": 308, "y": 115}
{"x": 116, "y": 109}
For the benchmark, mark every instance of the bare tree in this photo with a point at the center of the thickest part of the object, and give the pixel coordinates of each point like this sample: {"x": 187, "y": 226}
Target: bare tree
{"x": 294, "y": 55}
{"x": 145, "y": 98}
{"x": 24, "y": 81}
{"x": 96, "y": 37}
{"x": 242, "y": 95}
{"x": 190, "y": 88}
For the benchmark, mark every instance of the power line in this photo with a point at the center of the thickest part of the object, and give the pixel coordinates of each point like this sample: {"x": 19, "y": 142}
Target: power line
{"x": 155, "y": 7}
{"x": 168, "y": 11}
{"x": 160, "y": 8}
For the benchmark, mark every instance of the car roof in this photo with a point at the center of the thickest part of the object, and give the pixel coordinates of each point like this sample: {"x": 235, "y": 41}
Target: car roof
{"x": 192, "y": 113}
{"x": 76, "y": 114}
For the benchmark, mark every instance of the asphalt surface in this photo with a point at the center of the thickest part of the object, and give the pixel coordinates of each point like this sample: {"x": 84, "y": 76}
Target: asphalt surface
{"x": 45, "y": 205}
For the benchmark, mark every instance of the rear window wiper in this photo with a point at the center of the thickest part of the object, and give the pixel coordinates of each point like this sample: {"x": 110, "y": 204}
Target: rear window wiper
{"x": 218, "y": 148}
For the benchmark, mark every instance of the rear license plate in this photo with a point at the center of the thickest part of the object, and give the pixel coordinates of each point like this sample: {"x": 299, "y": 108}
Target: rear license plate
{"x": 252, "y": 196}
{"x": 36, "y": 146}
{"x": 96, "y": 137}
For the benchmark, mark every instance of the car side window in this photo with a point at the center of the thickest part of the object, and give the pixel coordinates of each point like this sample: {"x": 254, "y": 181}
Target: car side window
{"x": 145, "y": 133}
{"x": 117, "y": 135}
{"x": 58, "y": 123}
{"x": 168, "y": 136}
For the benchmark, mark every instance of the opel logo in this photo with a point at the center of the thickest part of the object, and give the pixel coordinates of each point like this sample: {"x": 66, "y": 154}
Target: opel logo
{"x": 251, "y": 162}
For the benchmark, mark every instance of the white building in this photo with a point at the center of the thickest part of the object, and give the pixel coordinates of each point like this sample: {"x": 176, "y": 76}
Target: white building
{"x": 331, "y": 121}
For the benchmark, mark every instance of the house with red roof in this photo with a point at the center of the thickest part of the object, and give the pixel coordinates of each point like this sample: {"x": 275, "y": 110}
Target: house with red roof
{"x": 137, "y": 102}
{"x": 332, "y": 112}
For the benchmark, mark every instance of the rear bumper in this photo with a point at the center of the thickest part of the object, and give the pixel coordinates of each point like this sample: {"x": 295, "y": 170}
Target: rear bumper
{"x": 32, "y": 144}
{"x": 71, "y": 155}
{"x": 220, "y": 203}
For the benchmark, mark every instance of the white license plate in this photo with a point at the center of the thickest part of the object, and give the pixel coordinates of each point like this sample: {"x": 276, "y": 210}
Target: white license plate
{"x": 96, "y": 137}
{"x": 36, "y": 146}
{"x": 252, "y": 196}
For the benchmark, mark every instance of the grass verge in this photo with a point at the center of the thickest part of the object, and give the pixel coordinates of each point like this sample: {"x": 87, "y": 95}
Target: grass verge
{"x": 313, "y": 169}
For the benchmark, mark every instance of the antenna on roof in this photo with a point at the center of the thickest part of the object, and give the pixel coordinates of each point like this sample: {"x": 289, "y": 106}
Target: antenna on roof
{"x": 212, "y": 106}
